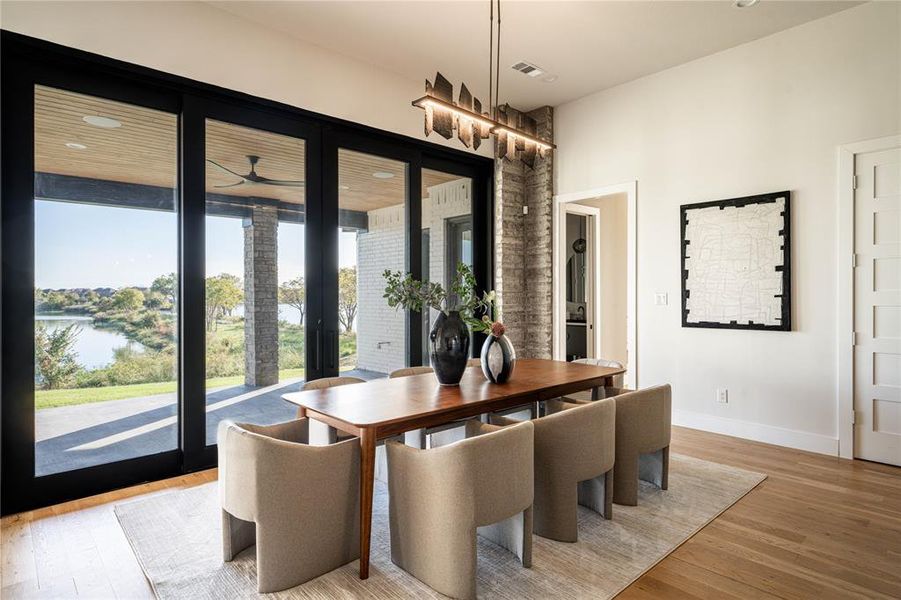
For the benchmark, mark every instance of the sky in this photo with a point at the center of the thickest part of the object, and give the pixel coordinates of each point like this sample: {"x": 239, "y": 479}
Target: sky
{"x": 89, "y": 246}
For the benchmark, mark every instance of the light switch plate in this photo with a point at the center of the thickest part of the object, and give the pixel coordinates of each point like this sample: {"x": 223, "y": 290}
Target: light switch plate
{"x": 661, "y": 299}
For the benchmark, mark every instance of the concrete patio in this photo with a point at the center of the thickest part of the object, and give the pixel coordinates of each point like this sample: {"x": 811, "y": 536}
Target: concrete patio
{"x": 75, "y": 437}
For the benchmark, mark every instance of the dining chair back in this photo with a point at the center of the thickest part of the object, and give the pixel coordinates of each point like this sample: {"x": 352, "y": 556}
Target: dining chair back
{"x": 574, "y": 457}
{"x": 298, "y": 503}
{"x": 643, "y": 432}
{"x": 442, "y": 498}
{"x": 330, "y": 434}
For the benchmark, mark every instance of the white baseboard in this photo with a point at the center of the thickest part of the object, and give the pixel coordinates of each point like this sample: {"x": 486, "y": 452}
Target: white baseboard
{"x": 791, "y": 438}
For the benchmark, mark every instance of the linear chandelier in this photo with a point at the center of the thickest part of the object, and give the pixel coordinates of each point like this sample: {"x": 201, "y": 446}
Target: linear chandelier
{"x": 516, "y": 133}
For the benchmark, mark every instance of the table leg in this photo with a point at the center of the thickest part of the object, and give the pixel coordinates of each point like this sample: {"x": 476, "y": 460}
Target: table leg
{"x": 367, "y": 474}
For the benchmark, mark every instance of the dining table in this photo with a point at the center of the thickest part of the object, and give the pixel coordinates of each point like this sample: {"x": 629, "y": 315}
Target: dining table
{"x": 383, "y": 408}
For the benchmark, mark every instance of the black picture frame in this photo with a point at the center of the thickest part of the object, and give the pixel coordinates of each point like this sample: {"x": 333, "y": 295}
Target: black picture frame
{"x": 785, "y": 321}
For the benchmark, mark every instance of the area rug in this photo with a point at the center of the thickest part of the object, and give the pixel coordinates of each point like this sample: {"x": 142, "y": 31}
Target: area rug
{"x": 176, "y": 538}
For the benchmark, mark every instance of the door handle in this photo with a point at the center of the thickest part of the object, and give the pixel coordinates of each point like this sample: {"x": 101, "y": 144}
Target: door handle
{"x": 333, "y": 348}
{"x": 316, "y": 352}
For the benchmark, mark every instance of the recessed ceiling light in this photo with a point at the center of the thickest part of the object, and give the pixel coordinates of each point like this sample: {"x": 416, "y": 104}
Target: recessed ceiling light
{"x": 550, "y": 79}
{"x": 76, "y": 146}
{"x": 345, "y": 187}
{"x": 744, "y": 3}
{"x": 383, "y": 175}
{"x": 105, "y": 122}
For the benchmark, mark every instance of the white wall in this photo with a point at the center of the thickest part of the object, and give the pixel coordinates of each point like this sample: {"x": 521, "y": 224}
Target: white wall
{"x": 199, "y": 41}
{"x": 762, "y": 117}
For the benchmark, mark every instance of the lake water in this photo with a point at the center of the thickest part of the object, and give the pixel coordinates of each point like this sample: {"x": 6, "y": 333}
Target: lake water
{"x": 286, "y": 312}
{"x": 93, "y": 346}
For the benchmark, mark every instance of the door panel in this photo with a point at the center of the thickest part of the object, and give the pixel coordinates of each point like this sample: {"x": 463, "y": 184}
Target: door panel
{"x": 447, "y": 215}
{"x": 877, "y": 312}
{"x": 105, "y": 273}
{"x": 371, "y": 338}
{"x": 255, "y": 285}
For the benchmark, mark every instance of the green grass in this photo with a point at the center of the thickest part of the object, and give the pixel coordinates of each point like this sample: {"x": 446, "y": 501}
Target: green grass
{"x": 69, "y": 397}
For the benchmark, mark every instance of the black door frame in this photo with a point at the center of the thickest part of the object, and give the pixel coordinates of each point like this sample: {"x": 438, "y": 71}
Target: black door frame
{"x": 21, "y": 488}
{"x": 27, "y": 61}
{"x": 196, "y": 111}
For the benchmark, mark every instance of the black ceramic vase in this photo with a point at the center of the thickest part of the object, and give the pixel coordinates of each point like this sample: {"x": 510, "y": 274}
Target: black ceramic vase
{"x": 498, "y": 359}
{"x": 449, "y": 341}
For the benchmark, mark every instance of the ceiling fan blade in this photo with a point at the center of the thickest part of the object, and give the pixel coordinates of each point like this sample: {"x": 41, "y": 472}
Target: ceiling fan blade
{"x": 227, "y": 170}
{"x": 280, "y": 182}
{"x": 230, "y": 185}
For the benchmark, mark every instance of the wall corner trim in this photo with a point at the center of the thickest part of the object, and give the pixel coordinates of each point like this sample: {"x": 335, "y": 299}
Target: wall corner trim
{"x": 768, "y": 434}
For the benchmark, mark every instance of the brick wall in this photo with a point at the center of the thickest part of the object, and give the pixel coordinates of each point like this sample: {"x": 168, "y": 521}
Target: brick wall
{"x": 381, "y": 330}
{"x": 382, "y": 247}
{"x": 261, "y": 297}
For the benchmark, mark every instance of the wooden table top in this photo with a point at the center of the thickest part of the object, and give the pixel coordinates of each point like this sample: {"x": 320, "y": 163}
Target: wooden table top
{"x": 382, "y": 403}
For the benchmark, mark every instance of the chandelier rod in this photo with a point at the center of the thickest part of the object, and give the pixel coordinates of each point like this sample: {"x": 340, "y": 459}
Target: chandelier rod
{"x": 491, "y": 65}
{"x": 497, "y": 70}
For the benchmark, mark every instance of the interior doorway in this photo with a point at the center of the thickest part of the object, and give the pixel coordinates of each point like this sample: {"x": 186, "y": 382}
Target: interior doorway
{"x": 870, "y": 366}
{"x": 594, "y": 276}
{"x": 582, "y": 283}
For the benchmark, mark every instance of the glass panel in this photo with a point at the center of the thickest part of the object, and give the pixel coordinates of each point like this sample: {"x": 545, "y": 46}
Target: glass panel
{"x": 447, "y": 223}
{"x": 106, "y": 257}
{"x": 372, "y": 237}
{"x": 255, "y": 289}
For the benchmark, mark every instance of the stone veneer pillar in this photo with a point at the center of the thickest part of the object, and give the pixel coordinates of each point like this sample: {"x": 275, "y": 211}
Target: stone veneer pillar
{"x": 523, "y": 246}
{"x": 261, "y": 297}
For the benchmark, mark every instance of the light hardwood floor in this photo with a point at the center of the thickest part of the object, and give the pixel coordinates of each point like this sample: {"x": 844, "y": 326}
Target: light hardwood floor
{"x": 818, "y": 527}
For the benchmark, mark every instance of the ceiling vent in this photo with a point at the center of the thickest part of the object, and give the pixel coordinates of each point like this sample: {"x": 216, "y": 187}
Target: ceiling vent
{"x": 528, "y": 69}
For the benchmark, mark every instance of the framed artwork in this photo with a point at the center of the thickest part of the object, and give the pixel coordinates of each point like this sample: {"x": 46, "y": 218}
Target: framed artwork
{"x": 736, "y": 263}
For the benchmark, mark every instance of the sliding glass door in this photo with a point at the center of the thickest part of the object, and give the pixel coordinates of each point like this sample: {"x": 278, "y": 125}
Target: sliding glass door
{"x": 252, "y": 311}
{"x": 105, "y": 280}
{"x": 176, "y": 255}
{"x": 255, "y": 284}
{"x": 372, "y": 196}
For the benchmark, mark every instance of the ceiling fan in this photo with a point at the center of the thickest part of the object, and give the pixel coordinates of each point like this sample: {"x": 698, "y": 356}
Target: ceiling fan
{"x": 252, "y": 178}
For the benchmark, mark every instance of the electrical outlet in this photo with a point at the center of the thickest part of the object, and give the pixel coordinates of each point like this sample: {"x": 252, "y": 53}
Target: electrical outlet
{"x": 722, "y": 395}
{"x": 661, "y": 299}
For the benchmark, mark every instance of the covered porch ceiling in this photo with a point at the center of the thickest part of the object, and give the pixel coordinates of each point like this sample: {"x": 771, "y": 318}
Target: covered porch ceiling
{"x": 139, "y": 158}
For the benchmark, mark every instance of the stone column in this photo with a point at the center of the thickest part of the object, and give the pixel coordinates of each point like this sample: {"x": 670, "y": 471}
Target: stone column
{"x": 261, "y": 297}
{"x": 523, "y": 257}
{"x": 539, "y": 249}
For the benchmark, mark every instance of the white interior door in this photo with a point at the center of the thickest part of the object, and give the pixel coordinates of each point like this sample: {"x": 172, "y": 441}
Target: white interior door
{"x": 877, "y": 307}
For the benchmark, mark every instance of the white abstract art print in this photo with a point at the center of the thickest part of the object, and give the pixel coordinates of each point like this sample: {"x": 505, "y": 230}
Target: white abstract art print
{"x": 736, "y": 263}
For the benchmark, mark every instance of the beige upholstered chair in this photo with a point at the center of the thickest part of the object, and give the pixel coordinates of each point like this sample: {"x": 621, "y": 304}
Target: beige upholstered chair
{"x": 298, "y": 503}
{"x": 604, "y": 392}
{"x": 419, "y": 438}
{"x": 574, "y": 451}
{"x": 643, "y": 428}
{"x": 331, "y": 434}
{"x": 441, "y": 498}
{"x": 408, "y": 371}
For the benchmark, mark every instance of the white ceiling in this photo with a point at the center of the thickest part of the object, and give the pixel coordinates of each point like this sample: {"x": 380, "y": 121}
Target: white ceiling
{"x": 590, "y": 46}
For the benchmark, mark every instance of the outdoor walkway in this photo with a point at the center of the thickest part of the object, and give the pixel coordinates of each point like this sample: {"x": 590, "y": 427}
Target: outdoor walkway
{"x": 74, "y": 437}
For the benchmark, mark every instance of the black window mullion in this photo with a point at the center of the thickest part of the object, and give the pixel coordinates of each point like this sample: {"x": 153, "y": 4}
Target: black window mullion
{"x": 327, "y": 327}
{"x": 413, "y": 252}
{"x": 192, "y": 288}
{"x": 18, "y": 287}
{"x": 482, "y": 238}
